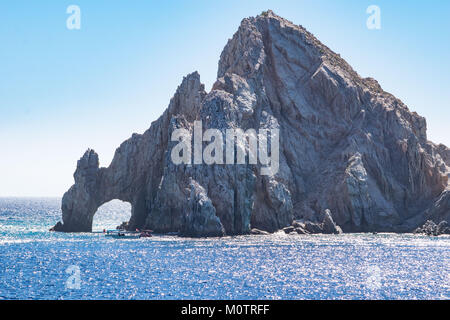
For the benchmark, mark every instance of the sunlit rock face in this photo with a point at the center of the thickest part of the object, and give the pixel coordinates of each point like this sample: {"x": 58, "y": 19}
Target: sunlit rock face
{"x": 350, "y": 153}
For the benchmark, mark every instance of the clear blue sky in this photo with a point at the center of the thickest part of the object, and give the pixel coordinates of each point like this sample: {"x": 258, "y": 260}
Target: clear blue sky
{"x": 63, "y": 91}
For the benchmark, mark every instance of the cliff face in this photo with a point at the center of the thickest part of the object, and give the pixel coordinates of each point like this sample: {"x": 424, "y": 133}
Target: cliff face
{"x": 347, "y": 148}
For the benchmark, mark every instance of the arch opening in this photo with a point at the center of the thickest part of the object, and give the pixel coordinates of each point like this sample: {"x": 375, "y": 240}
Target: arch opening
{"x": 111, "y": 214}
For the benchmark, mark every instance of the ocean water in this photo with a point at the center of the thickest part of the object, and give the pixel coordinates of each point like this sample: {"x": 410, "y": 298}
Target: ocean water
{"x": 37, "y": 264}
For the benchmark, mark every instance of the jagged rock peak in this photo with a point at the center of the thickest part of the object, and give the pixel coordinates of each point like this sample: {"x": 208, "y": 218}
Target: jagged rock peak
{"x": 258, "y": 31}
{"x": 89, "y": 159}
{"x": 259, "y": 38}
{"x": 87, "y": 165}
{"x": 188, "y": 97}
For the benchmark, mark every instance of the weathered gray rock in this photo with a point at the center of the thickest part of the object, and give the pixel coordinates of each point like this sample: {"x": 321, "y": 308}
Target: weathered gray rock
{"x": 432, "y": 229}
{"x": 255, "y": 231}
{"x": 57, "y": 227}
{"x": 443, "y": 228}
{"x": 298, "y": 224}
{"x": 200, "y": 215}
{"x": 312, "y": 227}
{"x": 301, "y": 230}
{"x": 345, "y": 145}
{"x": 123, "y": 226}
{"x": 327, "y": 226}
{"x": 289, "y": 229}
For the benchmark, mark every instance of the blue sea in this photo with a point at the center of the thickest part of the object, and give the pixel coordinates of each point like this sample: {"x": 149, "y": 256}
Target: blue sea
{"x": 37, "y": 264}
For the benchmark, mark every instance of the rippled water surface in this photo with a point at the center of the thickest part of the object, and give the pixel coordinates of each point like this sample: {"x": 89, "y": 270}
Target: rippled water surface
{"x": 37, "y": 264}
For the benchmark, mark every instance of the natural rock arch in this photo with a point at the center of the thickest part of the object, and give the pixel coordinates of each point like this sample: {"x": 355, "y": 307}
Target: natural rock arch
{"x": 111, "y": 214}
{"x": 136, "y": 171}
{"x": 93, "y": 188}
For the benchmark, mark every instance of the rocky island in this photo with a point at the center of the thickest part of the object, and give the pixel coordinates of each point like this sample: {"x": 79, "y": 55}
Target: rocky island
{"x": 352, "y": 157}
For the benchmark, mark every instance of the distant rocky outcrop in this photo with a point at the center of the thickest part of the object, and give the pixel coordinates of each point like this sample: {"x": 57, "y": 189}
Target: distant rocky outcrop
{"x": 432, "y": 229}
{"x": 327, "y": 226}
{"x": 352, "y": 156}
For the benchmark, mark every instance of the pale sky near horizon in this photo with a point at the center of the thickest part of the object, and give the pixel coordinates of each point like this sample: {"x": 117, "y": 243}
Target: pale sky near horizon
{"x": 63, "y": 91}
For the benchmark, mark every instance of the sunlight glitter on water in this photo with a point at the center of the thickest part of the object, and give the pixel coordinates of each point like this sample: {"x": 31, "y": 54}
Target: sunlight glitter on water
{"x": 33, "y": 263}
